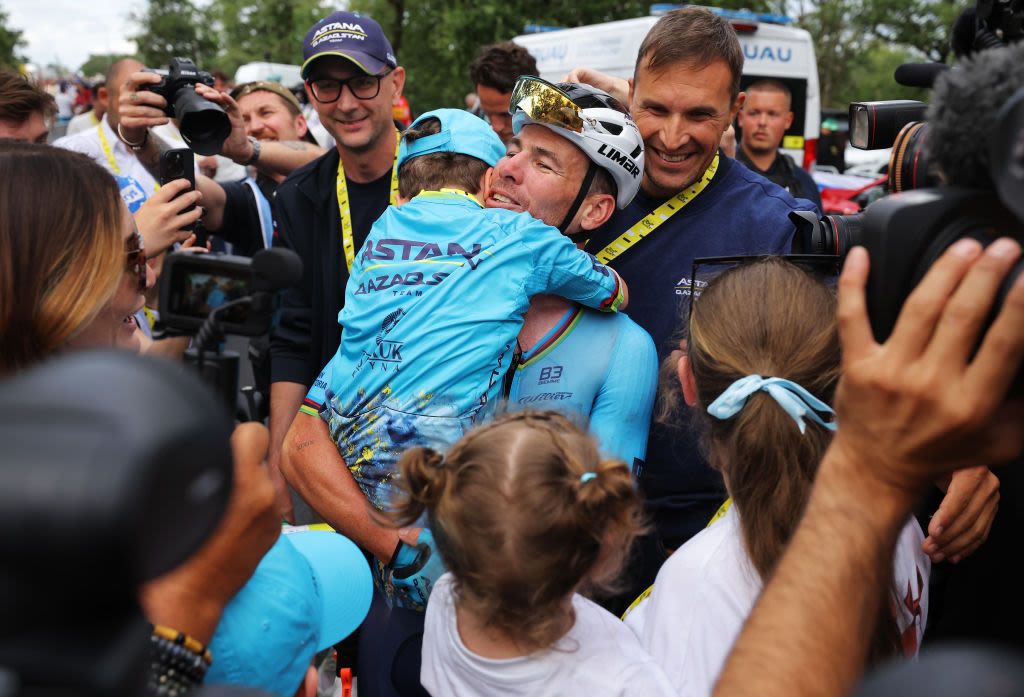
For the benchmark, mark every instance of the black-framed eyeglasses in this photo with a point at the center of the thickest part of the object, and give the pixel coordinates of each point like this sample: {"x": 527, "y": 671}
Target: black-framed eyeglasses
{"x": 706, "y": 269}
{"x": 328, "y": 89}
{"x": 135, "y": 258}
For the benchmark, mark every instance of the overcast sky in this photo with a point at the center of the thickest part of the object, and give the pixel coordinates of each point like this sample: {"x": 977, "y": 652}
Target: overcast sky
{"x": 69, "y": 30}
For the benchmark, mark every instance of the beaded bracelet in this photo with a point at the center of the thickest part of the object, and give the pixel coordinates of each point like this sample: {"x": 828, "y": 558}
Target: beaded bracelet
{"x": 178, "y": 662}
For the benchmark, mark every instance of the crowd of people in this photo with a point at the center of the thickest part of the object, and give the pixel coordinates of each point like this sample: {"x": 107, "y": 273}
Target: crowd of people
{"x": 551, "y": 456}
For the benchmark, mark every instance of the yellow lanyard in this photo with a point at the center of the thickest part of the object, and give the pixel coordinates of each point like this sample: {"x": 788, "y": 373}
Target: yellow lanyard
{"x": 722, "y": 510}
{"x": 446, "y": 193}
{"x": 649, "y": 223}
{"x": 111, "y": 160}
{"x": 344, "y": 209}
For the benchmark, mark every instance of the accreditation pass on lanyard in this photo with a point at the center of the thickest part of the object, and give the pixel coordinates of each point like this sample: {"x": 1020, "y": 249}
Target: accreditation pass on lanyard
{"x": 348, "y": 242}
{"x": 651, "y": 222}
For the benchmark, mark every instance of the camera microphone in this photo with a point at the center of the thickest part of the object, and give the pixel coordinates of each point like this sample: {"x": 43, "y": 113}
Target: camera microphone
{"x": 276, "y": 268}
{"x": 963, "y": 114}
{"x": 919, "y": 74}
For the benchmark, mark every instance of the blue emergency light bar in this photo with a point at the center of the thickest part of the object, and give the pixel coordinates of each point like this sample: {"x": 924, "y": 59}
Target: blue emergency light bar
{"x": 739, "y": 15}
{"x": 538, "y": 28}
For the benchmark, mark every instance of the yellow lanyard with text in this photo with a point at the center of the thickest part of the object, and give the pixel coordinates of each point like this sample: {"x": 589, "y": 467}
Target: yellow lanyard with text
{"x": 649, "y": 223}
{"x": 105, "y": 144}
{"x": 348, "y": 242}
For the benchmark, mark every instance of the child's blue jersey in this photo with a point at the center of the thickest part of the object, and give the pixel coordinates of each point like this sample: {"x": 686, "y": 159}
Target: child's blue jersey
{"x": 601, "y": 369}
{"x": 433, "y": 305}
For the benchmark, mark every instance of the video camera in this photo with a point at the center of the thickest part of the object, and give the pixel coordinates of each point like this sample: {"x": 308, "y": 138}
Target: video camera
{"x": 203, "y": 124}
{"x": 973, "y": 143}
{"x": 98, "y": 496}
{"x": 210, "y": 295}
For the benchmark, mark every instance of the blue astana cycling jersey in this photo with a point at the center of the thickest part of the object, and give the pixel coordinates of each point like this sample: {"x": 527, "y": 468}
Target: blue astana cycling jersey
{"x": 433, "y": 305}
{"x": 602, "y": 370}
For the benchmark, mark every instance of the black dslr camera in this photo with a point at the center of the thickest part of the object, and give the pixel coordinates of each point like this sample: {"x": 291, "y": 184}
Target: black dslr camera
{"x": 969, "y": 156}
{"x": 203, "y": 124}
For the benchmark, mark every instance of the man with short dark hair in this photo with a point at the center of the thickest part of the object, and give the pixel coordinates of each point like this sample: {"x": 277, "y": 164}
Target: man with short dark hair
{"x": 494, "y": 71}
{"x": 764, "y": 119}
{"x": 693, "y": 202}
{"x": 25, "y": 109}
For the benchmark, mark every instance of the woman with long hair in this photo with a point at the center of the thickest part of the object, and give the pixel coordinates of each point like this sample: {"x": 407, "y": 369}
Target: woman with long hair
{"x": 72, "y": 264}
{"x": 761, "y": 365}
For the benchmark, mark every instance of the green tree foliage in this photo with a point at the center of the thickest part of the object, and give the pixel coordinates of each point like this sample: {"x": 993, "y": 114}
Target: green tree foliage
{"x": 923, "y": 25}
{"x": 99, "y": 63}
{"x": 173, "y": 28}
{"x": 262, "y": 30}
{"x": 436, "y": 40}
{"x": 10, "y": 43}
{"x": 870, "y": 76}
{"x": 859, "y": 43}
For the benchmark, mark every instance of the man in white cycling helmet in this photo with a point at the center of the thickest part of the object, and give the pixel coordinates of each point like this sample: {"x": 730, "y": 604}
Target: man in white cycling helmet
{"x": 575, "y": 157}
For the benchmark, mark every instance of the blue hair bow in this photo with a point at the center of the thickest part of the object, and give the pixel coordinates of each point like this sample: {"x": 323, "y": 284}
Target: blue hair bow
{"x": 794, "y": 400}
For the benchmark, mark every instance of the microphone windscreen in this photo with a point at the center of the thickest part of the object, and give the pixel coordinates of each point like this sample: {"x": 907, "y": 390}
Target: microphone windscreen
{"x": 919, "y": 74}
{"x": 276, "y": 268}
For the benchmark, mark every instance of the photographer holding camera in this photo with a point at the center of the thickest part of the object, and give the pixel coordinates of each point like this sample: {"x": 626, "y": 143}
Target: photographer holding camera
{"x": 211, "y": 122}
{"x": 925, "y": 390}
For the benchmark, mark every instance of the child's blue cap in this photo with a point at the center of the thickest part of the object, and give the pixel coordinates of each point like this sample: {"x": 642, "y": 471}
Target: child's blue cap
{"x": 461, "y": 132}
{"x": 310, "y": 591}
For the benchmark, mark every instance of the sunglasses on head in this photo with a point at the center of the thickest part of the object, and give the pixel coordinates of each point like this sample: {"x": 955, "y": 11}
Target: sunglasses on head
{"x": 135, "y": 258}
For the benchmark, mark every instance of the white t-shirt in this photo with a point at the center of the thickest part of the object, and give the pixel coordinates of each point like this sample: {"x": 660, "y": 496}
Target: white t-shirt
{"x": 121, "y": 159}
{"x": 599, "y": 656}
{"x": 706, "y": 590}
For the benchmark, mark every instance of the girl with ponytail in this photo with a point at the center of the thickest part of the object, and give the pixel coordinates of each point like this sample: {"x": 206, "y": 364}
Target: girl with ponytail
{"x": 761, "y": 364}
{"x": 526, "y": 515}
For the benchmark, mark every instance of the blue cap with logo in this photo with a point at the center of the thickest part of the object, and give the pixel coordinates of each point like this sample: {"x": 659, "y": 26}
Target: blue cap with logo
{"x": 355, "y": 37}
{"x": 310, "y": 591}
{"x": 461, "y": 133}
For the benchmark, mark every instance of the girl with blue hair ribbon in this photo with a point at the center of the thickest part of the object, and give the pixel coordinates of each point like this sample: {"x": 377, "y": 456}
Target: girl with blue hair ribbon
{"x": 761, "y": 364}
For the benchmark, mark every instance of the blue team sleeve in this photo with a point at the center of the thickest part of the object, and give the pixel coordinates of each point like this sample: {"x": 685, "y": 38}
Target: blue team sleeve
{"x": 621, "y": 415}
{"x": 562, "y": 269}
{"x": 314, "y": 401}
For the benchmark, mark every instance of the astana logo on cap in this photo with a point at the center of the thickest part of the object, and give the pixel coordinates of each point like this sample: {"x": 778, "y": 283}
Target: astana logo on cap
{"x": 337, "y": 31}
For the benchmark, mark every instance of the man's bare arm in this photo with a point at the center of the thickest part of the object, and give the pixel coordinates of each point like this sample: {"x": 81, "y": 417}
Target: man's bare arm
{"x": 285, "y": 400}
{"x": 922, "y": 404}
{"x": 311, "y": 463}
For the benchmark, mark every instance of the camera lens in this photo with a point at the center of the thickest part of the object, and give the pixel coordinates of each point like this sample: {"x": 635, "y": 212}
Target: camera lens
{"x": 909, "y": 165}
{"x": 847, "y": 230}
{"x": 203, "y": 124}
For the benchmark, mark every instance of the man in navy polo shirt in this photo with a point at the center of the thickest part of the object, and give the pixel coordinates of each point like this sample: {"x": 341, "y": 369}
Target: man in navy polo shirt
{"x": 693, "y": 202}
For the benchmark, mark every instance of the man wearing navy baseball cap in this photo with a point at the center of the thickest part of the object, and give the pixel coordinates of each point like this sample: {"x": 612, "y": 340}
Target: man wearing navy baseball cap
{"x": 324, "y": 211}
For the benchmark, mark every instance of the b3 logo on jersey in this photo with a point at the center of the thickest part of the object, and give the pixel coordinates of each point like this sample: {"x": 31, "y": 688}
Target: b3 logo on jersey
{"x": 549, "y": 375}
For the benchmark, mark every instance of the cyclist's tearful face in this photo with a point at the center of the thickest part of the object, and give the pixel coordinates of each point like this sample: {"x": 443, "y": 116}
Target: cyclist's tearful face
{"x": 540, "y": 173}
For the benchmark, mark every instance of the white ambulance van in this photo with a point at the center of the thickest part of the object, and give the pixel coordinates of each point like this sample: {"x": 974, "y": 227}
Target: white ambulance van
{"x": 772, "y": 48}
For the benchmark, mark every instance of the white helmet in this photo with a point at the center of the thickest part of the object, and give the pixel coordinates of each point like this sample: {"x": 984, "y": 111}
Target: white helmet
{"x": 590, "y": 119}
